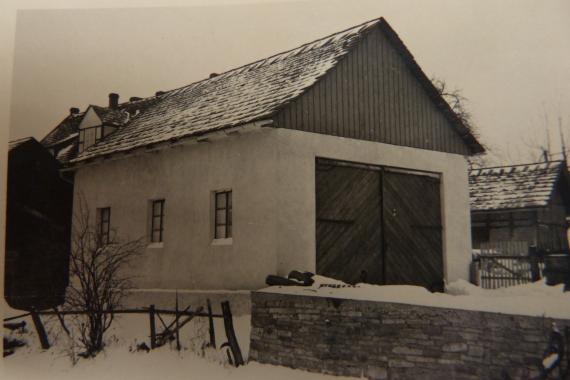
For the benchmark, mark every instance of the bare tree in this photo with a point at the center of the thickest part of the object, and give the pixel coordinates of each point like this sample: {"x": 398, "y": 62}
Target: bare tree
{"x": 98, "y": 281}
{"x": 457, "y": 102}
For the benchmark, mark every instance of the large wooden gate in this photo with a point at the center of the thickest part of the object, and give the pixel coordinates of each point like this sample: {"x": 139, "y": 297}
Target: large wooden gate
{"x": 348, "y": 223}
{"x": 413, "y": 231}
{"x": 378, "y": 225}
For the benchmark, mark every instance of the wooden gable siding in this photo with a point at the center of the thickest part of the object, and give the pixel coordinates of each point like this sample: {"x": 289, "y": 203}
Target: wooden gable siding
{"x": 372, "y": 95}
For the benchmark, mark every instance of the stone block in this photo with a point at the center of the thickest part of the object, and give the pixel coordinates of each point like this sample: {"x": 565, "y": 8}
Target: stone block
{"x": 455, "y": 347}
{"x": 399, "y": 363}
{"x": 406, "y": 350}
{"x": 376, "y": 373}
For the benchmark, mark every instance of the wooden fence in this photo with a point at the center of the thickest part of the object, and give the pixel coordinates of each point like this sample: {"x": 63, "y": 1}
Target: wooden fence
{"x": 499, "y": 271}
{"x": 159, "y": 334}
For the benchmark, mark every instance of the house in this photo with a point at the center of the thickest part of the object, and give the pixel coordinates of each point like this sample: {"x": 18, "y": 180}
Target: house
{"x": 514, "y": 207}
{"x": 38, "y": 226}
{"x": 61, "y": 142}
{"x": 65, "y": 140}
{"x": 337, "y": 157}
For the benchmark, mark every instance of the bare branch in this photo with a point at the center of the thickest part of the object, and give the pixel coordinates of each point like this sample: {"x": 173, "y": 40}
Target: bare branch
{"x": 97, "y": 279}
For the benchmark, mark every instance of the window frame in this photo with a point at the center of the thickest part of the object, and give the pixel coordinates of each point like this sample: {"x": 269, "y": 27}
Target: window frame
{"x": 104, "y": 225}
{"x": 226, "y": 221}
{"x": 81, "y": 141}
{"x": 160, "y": 216}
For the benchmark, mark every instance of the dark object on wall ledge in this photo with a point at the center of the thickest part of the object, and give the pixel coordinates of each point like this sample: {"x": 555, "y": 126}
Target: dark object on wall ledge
{"x": 295, "y": 278}
{"x": 38, "y": 225}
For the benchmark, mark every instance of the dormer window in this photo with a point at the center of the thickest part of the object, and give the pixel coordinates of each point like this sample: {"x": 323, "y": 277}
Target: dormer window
{"x": 89, "y": 136}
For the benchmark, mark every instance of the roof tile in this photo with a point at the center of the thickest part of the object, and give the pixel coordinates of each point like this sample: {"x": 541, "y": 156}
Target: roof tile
{"x": 511, "y": 187}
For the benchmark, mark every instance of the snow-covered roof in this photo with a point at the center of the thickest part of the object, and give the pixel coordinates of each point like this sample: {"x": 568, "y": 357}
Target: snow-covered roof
{"x": 68, "y": 152}
{"x": 16, "y": 143}
{"x": 249, "y": 93}
{"x": 63, "y": 130}
{"x": 514, "y": 187}
{"x": 111, "y": 116}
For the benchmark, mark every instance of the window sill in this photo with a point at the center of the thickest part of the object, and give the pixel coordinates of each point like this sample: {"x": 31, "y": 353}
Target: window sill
{"x": 227, "y": 241}
{"x": 156, "y": 245}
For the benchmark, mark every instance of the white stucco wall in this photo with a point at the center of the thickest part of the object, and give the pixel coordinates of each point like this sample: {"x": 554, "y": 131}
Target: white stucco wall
{"x": 271, "y": 173}
{"x": 296, "y": 183}
{"x": 185, "y": 177}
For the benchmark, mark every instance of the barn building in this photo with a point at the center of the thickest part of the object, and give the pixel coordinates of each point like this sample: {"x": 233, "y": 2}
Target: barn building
{"x": 38, "y": 226}
{"x": 518, "y": 206}
{"x": 337, "y": 157}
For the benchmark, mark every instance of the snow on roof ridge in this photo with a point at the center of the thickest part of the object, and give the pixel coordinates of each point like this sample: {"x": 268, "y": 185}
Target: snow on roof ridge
{"x": 273, "y": 58}
{"x": 526, "y": 167}
{"x": 22, "y": 139}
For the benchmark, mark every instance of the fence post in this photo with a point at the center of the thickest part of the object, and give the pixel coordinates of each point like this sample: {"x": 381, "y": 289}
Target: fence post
{"x": 40, "y": 329}
{"x": 177, "y": 324}
{"x": 152, "y": 327}
{"x": 211, "y": 325}
{"x": 474, "y": 271}
{"x": 534, "y": 269}
{"x": 230, "y": 333}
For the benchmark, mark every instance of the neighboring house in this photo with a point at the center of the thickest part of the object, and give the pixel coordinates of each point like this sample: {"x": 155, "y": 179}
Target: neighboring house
{"x": 520, "y": 206}
{"x": 61, "y": 142}
{"x": 337, "y": 157}
{"x": 38, "y": 227}
{"x": 68, "y": 138}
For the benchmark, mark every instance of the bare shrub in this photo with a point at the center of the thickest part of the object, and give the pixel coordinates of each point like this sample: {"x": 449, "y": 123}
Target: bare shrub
{"x": 98, "y": 281}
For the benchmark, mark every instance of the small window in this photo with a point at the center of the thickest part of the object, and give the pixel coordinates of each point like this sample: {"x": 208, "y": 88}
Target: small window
{"x": 157, "y": 221}
{"x": 89, "y": 136}
{"x": 98, "y": 134}
{"x": 104, "y": 224}
{"x": 81, "y": 143}
{"x": 223, "y": 215}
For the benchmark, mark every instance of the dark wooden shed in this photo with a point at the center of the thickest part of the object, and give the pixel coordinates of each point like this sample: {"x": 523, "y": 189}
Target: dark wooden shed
{"x": 38, "y": 224}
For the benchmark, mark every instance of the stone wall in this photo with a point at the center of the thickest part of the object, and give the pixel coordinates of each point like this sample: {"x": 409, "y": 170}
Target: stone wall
{"x": 395, "y": 341}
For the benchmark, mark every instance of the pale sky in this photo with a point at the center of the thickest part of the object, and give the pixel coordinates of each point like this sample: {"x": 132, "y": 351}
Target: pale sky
{"x": 511, "y": 59}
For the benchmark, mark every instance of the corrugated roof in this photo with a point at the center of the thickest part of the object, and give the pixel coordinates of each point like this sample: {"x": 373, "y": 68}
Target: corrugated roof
{"x": 514, "y": 187}
{"x": 249, "y": 93}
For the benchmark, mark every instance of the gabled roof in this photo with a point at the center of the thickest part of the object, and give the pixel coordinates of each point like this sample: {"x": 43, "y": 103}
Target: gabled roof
{"x": 16, "y": 143}
{"x": 111, "y": 116}
{"x": 515, "y": 187}
{"x": 63, "y": 130}
{"x": 250, "y": 93}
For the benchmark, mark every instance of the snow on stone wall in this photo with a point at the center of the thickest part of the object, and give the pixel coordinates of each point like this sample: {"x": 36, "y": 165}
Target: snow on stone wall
{"x": 381, "y": 340}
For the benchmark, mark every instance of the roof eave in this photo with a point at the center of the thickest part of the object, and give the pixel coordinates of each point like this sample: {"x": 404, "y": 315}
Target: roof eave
{"x": 160, "y": 145}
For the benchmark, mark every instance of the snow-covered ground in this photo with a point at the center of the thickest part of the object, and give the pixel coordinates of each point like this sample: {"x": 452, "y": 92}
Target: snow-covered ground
{"x": 120, "y": 360}
{"x": 534, "y": 299}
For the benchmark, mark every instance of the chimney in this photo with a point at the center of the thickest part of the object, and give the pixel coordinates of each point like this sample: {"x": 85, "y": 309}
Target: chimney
{"x": 158, "y": 93}
{"x": 113, "y": 100}
{"x": 73, "y": 111}
{"x": 213, "y": 75}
